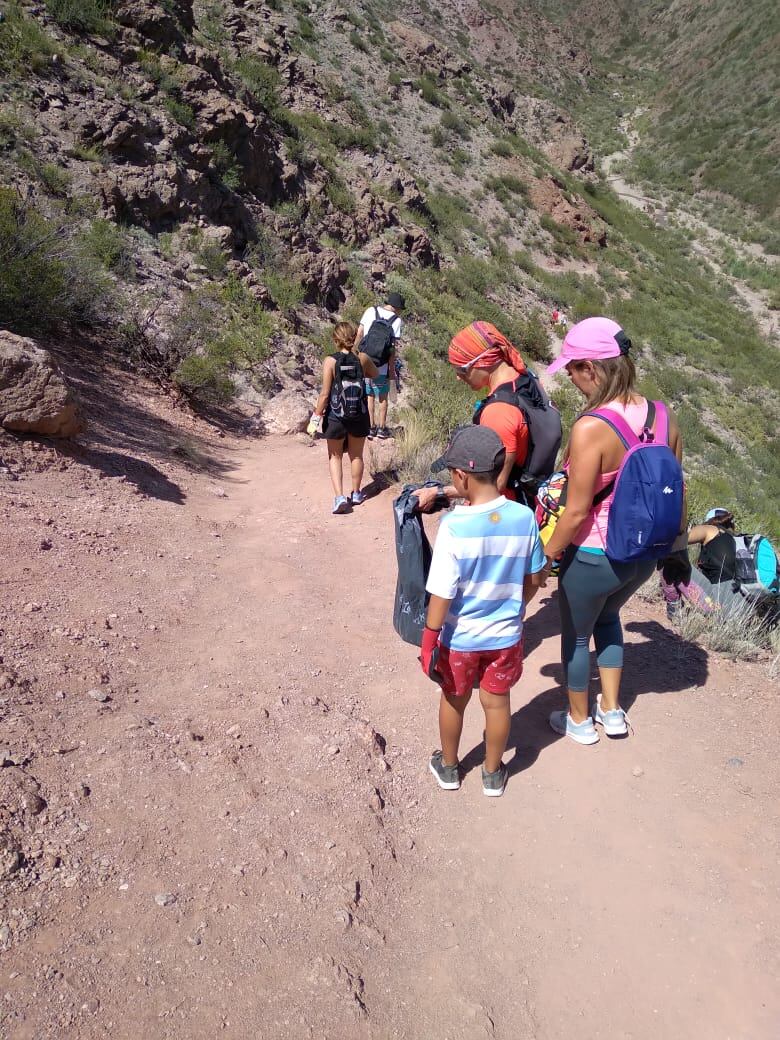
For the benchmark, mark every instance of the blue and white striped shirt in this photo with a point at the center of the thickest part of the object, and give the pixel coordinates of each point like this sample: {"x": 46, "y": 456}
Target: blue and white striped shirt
{"x": 480, "y": 560}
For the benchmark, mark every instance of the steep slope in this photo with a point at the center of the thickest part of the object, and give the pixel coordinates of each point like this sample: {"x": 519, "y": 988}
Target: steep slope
{"x": 202, "y": 186}
{"x": 710, "y": 80}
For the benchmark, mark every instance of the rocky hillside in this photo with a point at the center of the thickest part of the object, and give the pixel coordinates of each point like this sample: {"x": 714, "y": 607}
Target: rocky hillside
{"x": 202, "y": 187}
{"x": 708, "y": 85}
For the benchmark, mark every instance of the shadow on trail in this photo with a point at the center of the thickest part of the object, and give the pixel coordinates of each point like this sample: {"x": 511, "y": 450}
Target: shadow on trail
{"x": 662, "y": 663}
{"x": 125, "y": 438}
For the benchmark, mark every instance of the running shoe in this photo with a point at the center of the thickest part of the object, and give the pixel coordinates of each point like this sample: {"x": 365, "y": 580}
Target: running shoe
{"x": 373, "y": 432}
{"x": 615, "y": 721}
{"x": 447, "y": 777}
{"x": 583, "y": 732}
{"x": 340, "y": 504}
{"x": 383, "y": 433}
{"x": 358, "y": 498}
{"x": 494, "y": 784}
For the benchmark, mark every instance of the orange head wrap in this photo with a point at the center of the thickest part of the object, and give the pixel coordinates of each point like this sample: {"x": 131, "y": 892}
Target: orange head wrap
{"x": 483, "y": 345}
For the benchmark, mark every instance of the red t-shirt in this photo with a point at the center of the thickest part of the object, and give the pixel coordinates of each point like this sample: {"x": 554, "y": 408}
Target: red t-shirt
{"x": 509, "y": 423}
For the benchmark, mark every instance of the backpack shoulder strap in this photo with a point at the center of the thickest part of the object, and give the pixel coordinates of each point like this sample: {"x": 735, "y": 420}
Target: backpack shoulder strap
{"x": 618, "y": 424}
{"x": 661, "y": 416}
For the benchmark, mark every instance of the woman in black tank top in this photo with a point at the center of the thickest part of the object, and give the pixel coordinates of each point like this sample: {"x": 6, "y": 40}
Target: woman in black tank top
{"x": 718, "y": 557}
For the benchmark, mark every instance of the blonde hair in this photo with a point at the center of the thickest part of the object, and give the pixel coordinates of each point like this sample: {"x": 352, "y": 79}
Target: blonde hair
{"x": 617, "y": 382}
{"x": 344, "y": 335}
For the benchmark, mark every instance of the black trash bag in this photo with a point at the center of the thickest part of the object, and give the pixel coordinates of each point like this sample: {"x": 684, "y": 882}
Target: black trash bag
{"x": 413, "y": 552}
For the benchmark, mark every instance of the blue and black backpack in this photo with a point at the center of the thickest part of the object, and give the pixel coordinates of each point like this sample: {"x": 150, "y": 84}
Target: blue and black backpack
{"x": 645, "y": 514}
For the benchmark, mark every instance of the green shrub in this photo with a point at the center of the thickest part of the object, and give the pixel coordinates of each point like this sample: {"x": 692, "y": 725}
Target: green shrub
{"x": 55, "y": 179}
{"x": 180, "y": 111}
{"x": 87, "y": 16}
{"x": 226, "y": 165}
{"x": 215, "y": 334}
{"x": 358, "y": 42}
{"x": 453, "y": 122}
{"x": 261, "y": 80}
{"x": 428, "y": 89}
{"x": 105, "y": 241}
{"x": 286, "y": 290}
{"x": 306, "y": 28}
{"x": 339, "y": 194}
{"x": 24, "y": 46}
{"x": 87, "y": 153}
{"x": 48, "y": 275}
{"x": 501, "y": 147}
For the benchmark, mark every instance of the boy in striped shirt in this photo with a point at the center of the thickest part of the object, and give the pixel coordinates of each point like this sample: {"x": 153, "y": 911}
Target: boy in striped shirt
{"x": 487, "y": 565}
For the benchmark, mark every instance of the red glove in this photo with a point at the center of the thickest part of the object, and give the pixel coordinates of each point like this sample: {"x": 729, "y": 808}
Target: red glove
{"x": 429, "y": 654}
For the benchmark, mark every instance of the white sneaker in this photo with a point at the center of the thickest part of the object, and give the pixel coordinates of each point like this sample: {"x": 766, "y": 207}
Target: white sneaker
{"x": 583, "y": 732}
{"x": 615, "y": 721}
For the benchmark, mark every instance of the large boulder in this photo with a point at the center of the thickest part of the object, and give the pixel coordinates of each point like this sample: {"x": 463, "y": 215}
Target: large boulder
{"x": 34, "y": 397}
{"x": 151, "y": 196}
{"x": 164, "y": 22}
{"x": 287, "y": 412}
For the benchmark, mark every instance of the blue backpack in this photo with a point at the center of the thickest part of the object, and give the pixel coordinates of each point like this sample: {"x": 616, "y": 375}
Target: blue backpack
{"x": 645, "y": 515}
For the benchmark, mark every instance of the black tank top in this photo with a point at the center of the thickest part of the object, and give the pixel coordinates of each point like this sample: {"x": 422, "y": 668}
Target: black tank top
{"x": 718, "y": 559}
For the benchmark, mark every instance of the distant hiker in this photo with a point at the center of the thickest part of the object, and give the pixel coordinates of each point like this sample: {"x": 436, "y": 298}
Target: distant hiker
{"x": 739, "y": 568}
{"x": 377, "y": 336}
{"x": 342, "y": 407}
{"x": 555, "y": 316}
{"x": 563, "y": 321}
{"x": 517, "y": 408}
{"x": 610, "y": 538}
{"x": 487, "y": 565}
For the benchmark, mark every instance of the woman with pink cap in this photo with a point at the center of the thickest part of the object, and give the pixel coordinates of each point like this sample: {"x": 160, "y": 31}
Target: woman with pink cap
{"x": 593, "y": 588}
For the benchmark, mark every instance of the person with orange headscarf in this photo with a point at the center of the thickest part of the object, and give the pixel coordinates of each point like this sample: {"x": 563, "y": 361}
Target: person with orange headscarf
{"x": 484, "y": 358}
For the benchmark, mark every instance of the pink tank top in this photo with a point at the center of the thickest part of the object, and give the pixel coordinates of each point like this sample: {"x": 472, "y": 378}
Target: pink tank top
{"x": 592, "y": 533}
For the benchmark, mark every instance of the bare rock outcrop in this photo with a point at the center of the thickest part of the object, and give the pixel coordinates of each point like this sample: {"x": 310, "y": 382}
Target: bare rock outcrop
{"x": 147, "y": 195}
{"x": 34, "y": 397}
{"x": 547, "y": 196}
{"x": 567, "y": 147}
{"x": 288, "y": 412}
{"x": 323, "y": 275}
{"x": 160, "y": 21}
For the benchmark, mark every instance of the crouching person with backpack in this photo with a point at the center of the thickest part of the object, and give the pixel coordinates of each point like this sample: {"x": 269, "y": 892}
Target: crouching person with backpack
{"x": 342, "y": 408}
{"x": 625, "y": 510}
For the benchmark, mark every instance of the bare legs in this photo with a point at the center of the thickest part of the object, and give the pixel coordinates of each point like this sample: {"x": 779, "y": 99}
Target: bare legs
{"x": 382, "y": 411}
{"x": 451, "y": 710}
{"x": 497, "y": 722}
{"x": 335, "y": 456}
{"x": 355, "y": 450}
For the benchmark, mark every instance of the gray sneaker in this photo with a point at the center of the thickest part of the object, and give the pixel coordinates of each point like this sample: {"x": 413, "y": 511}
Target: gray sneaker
{"x": 447, "y": 777}
{"x": 494, "y": 784}
{"x": 582, "y": 732}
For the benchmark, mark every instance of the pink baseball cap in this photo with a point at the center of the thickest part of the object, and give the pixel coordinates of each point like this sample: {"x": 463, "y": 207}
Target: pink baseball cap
{"x": 592, "y": 339}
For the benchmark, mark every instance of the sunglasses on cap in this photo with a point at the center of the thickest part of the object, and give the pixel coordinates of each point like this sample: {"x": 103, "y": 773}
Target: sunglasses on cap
{"x": 463, "y": 370}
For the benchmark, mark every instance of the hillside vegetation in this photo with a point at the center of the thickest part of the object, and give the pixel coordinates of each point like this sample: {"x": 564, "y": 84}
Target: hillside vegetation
{"x": 205, "y": 186}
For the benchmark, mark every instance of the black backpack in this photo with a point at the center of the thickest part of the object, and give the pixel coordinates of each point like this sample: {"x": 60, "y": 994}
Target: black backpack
{"x": 544, "y": 432}
{"x": 379, "y": 342}
{"x": 348, "y": 393}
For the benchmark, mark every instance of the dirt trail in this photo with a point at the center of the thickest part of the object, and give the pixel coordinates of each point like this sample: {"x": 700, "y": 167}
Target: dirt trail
{"x": 261, "y": 772}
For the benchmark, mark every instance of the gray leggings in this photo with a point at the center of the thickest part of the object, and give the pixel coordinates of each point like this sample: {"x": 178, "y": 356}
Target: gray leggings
{"x": 592, "y": 589}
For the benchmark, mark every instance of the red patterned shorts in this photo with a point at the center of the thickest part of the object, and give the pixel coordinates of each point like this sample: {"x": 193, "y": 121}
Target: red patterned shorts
{"x": 495, "y": 671}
